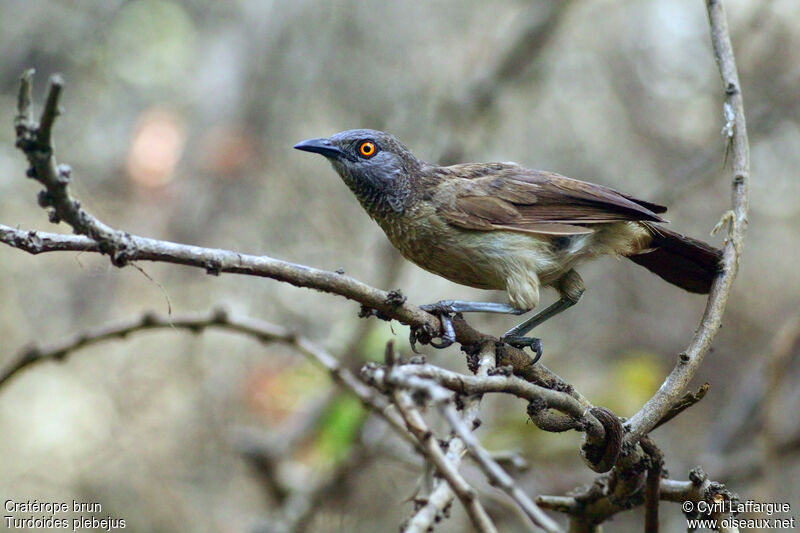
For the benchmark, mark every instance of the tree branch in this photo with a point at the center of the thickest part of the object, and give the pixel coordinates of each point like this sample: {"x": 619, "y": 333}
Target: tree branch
{"x": 494, "y": 472}
{"x": 592, "y": 505}
{"x": 685, "y": 402}
{"x": 653, "y": 487}
{"x": 446, "y": 468}
{"x": 441, "y": 495}
{"x": 197, "y": 323}
{"x": 122, "y": 247}
{"x": 390, "y": 304}
{"x": 577, "y": 410}
{"x": 424, "y": 379}
{"x": 689, "y": 361}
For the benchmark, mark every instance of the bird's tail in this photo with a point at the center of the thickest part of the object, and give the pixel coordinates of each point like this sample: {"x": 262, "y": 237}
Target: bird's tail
{"x": 688, "y": 263}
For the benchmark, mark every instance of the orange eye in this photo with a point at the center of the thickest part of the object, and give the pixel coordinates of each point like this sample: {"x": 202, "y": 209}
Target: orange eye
{"x": 367, "y": 149}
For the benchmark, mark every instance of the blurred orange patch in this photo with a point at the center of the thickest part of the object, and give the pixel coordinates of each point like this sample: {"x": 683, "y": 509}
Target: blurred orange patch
{"x": 156, "y": 147}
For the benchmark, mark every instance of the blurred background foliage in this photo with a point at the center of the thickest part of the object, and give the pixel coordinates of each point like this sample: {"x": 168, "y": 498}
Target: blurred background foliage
{"x": 180, "y": 117}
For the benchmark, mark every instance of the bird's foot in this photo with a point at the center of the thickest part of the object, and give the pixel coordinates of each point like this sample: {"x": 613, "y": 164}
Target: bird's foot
{"x": 521, "y": 342}
{"x": 447, "y": 334}
{"x": 442, "y": 307}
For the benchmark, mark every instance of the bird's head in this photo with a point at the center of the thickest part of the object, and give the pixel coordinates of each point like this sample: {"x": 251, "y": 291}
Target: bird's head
{"x": 375, "y": 165}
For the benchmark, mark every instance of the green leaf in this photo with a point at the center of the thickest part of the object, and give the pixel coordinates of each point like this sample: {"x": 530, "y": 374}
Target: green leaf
{"x": 340, "y": 428}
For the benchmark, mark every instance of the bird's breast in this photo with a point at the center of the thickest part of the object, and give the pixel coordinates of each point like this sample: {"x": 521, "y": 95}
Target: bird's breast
{"x": 477, "y": 259}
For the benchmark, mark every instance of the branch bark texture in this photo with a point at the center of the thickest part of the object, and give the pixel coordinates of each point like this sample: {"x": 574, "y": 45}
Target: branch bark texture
{"x": 735, "y": 131}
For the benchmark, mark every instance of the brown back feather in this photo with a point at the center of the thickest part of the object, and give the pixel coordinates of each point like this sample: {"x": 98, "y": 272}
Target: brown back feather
{"x": 510, "y": 197}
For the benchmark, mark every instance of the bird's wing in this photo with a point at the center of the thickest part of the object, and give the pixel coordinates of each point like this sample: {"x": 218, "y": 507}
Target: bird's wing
{"x": 510, "y": 197}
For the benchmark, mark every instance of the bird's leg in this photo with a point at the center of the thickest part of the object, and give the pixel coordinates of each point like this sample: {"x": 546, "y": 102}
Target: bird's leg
{"x": 516, "y": 335}
{"x": 445, "y": 308}
{"x": 462, "y": 306}
{"x": 550, "y": 311}
{"x": 571, "y": 288}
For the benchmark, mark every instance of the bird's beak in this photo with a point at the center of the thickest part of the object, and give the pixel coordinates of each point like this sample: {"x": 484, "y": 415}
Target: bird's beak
{"x": 319, "y": 146}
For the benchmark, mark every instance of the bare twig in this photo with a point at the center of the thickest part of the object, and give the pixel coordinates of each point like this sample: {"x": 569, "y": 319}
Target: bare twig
{"x": 449, "y": 471}
{"x": 688, "y": 400}
{"x": 35, "y": 140}
{"x": 195, "y": 322}
{"x": 24, "y": 116}
{"x": 700, "y": 488}
{"x": 689, "y": 361}
{"x": 576, "y": 409}
{"x": 653, "y": 487}
{"x": 437, "y": 503}
{"x": 423, "y": 378}
{"x": 442, "y": 494}
{"x": 593, "y": 502}
{"x": 494, "y": 471}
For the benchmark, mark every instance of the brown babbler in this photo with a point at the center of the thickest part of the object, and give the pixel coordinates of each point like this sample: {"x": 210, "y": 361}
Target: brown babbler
{"x": 505, "y": 227}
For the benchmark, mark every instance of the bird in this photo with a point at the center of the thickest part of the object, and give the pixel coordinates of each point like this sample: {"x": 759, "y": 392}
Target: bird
{"x": 502, "y": 226}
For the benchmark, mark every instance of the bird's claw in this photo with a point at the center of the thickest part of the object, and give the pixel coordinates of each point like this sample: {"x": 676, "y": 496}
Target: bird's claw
{"x": 412, "y": 340}
{"x": 447, "y": 334}
{"x": 522, "y": 342}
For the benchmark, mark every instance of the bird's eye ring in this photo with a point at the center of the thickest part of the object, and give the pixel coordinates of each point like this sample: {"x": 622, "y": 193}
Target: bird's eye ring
{"x": 367, "y": 149}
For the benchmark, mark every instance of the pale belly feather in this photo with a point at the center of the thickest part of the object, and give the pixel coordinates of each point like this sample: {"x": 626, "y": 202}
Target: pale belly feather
{"x": 515, "y": 262}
